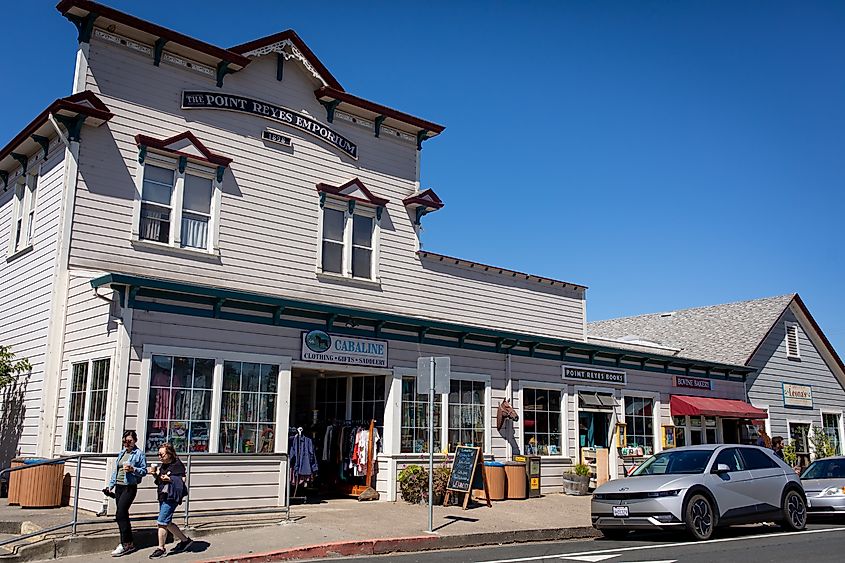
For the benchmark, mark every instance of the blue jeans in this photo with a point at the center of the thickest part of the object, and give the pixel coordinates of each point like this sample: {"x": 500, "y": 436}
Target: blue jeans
{"x": 165, "y": 512}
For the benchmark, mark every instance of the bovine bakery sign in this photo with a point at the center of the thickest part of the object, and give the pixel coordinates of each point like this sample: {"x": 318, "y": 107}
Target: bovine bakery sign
{"x": 320, "y": 346}
{"x": 231, "y": 102}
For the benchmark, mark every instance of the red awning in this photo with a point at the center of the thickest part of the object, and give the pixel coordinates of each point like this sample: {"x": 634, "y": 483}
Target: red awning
{"x": 697, "y": 406}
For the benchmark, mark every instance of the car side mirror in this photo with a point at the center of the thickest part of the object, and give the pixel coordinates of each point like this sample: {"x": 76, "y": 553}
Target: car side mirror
{"x": 721, "y": 468}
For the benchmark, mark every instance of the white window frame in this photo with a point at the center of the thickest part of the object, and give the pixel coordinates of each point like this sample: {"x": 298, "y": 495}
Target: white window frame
{"x": 438, "y": 399}
{"x": 176, "y": 201}
{"x": 796, "y": 327}
{"x": 801, "y": 420}
{"x": 363, "y": 210}
{"x": 562, "y": 388}
{"x": 656, "y": 418}
{"x": 839, "y": 427}
{"x": 282, "y": 388}
{"x": 88, "y": 359}
{"x": 613, "y": 454}
{"x": 488, "y": 412}
{"x": 25, "y": 209}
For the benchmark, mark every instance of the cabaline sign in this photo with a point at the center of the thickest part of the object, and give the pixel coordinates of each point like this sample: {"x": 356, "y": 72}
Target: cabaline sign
{"x": 594, "y": 375}
{"x": 692, "y": 382}
{"x": 231, "y": 102}
{"x": 320, "y": 346}
{"x": 797, "y": 395}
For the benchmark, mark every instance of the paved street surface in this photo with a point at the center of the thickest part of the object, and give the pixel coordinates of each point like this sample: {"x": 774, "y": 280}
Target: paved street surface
{"x": 821, "y": 542}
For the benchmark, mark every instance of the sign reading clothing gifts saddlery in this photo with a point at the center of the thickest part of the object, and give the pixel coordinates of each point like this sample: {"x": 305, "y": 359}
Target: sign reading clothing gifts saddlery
{"x": 319, "y": 346}
{"x": 231, "y": 102}
{"x": 594, "y": 375}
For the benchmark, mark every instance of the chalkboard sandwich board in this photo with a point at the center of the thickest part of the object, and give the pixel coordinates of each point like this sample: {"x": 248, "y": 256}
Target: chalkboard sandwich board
{"x": 466, "y": 471}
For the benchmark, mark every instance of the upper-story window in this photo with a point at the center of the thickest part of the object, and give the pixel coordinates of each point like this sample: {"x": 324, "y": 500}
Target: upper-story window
{"x": 792, "y": 348}
{"x": 23, "y": 213}
{"x": 178, "y": 200}
{"x": 350, "y": 218}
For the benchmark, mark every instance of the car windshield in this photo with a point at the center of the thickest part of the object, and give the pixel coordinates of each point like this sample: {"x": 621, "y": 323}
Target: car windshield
{"x": 675, "y": 463}
{"x": 825, "y": 469}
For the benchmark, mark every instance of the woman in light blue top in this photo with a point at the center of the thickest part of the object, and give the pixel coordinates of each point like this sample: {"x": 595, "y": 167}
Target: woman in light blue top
{"x": 130, "y": 468}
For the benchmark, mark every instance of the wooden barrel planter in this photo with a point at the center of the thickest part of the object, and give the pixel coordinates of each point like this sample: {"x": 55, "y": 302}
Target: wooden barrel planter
{"x": 576, "y": 484}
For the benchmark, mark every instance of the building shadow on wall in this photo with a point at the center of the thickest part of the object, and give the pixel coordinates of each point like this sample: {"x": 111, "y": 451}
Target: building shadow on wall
{"x": 11, "y": 420}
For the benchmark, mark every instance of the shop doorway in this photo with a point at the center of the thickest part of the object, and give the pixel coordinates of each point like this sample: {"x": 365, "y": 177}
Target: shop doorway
{"x": 595, "y": 431}
{"x": 331, "y": 415}
{"x": 730, "y": 431}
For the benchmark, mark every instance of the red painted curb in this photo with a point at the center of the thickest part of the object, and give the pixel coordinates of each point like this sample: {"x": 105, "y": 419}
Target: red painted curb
{"x": 333, "y": 549}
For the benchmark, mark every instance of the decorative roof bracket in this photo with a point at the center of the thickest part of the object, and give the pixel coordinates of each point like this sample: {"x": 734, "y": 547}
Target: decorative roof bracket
{"x": 280, "y": 66}
{"x": 142, "y": 154}
{"x": 73, "y": 125}
{"x": 43, "y": 141}
{"x": 158, "y": 49}
{"x": 84, "y": 26}
{"x": 222, "y": 70}
{"x": 351, "y": 206}
{"x": 421, "y": 136}
{"x": 322, "y": 200}
{"x": 377, "y": 124}
{"x": 330, "y": 106}
{"x": 220, "y": 171}
{"x": 379, "y": 211}
{"x": 22, "y": 158}
{"x": 183, "y": 163}
{"x": 5, "y": 177}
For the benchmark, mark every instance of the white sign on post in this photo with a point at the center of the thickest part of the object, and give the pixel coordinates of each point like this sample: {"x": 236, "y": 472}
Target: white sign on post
{"x": 442, "y": 369}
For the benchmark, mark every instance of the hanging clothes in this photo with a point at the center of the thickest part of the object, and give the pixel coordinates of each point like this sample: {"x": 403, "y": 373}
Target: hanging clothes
{"x": 303, "y": 461}
{"x": 327, "y": 443}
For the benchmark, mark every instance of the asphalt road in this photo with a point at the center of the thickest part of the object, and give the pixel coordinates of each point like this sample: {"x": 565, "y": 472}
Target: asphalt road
{"x": 821, "y": 542}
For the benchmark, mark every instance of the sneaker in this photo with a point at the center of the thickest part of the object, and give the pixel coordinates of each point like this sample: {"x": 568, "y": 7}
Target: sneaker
{"x": 126, "y": 551}
{"x": 182, "y": 546}
{"x": 158, "y": 553}
{"x": 118, "y": 551}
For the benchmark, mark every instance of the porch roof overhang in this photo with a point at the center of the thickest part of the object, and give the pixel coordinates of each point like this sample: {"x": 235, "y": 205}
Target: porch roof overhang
{"x": 682, "y": 405}
{"x": 153, "y": 294}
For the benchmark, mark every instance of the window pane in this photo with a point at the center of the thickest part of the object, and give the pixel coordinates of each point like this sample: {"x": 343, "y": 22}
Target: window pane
{"x": 203, "y": 373}
{"x": 250, "y": 378}
{"x": 361, "y": 263}
{"x": 466, "y": 413}
{"x": 269, "y": 378}
{"x": 197, "y": 195}
{"x": 231, "y": 376}
{"x": 158, "y": 184}
{"x": 332, "y": 257}
{"x": 362, "y": 231}
{"x": 155, "y": 223}
{"x": 194, "y": 231}
{"x": 333, "y": 224}
{"x": 640, "y": 423}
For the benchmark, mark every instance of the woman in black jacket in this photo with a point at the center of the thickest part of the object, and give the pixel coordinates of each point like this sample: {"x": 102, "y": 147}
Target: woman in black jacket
{"x": 170, "y": 479}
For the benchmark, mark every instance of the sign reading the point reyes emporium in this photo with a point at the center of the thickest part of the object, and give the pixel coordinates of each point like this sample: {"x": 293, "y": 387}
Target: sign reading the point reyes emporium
{"x": 231, "y": 102}
{"x": 320, "y": 346}
{"x": 594, "y": 375}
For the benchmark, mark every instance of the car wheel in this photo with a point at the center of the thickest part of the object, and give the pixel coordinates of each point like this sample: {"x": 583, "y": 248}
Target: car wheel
{"x": 699, "y": 518}
{"x": 613, "y": 534}
{"x": 794, "y": 511}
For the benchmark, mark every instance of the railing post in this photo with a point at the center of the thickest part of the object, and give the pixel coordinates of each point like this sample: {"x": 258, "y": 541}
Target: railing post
{"x": 287, "y": 488}
{"x": 76, "y": 495}
{"x": 188, "y": 485}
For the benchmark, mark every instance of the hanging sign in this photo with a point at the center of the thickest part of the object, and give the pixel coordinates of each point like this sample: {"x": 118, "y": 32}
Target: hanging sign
{"x": 797, "y": 395}
{"x": 692, "y": 382}
{"x": 594, "y": 375}
{"x": 320, "y": 346}
{"x": 215, "y": 100}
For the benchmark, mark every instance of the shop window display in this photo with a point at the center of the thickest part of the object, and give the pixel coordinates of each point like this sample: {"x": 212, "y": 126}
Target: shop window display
{"x": 179, "y": 409}
{"x": 639, "y": 419}
{"x": 466, "y": 414}
{"x": 248, "y": 410}
{"x": 542, "y": 421}
{"x": 415, "y": 418}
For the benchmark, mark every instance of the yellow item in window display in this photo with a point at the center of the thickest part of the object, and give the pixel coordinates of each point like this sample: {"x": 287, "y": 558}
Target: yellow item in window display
{"x": 621, "y": 435}
{"x": 668, "y": 437}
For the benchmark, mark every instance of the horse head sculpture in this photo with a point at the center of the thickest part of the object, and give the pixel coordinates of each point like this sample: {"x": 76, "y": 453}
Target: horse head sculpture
{"x": 505, "y": 412}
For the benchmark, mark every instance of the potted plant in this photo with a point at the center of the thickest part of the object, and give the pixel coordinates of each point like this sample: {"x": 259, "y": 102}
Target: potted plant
{"x": 577, "y": 480}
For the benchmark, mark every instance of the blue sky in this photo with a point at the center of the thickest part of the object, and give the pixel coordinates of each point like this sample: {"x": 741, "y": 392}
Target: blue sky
{"x": 665, "y": 154}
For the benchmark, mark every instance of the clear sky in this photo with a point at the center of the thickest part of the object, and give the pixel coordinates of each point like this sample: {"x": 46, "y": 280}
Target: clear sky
{"x": 665, "y": 154}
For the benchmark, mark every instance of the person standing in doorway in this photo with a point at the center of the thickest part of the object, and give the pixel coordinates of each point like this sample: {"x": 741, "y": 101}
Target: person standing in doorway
{"x": 777, "y": 446}
{"x": 170, "y": 478}
{"x": 130, "y": 469}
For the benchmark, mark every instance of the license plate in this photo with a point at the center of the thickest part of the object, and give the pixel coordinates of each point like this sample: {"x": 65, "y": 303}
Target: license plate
{"x": 620, "y": 511}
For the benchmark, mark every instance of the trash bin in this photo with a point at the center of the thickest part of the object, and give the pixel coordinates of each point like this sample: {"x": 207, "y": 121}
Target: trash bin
{"x": 40, "y": 487}
{"x": 494, "y": 473}
{"x": 517, "y": 480}
{"x": 15, "y": 482}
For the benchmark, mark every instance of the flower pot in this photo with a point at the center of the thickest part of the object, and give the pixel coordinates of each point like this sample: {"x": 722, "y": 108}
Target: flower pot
{"x": 576, "y": 484}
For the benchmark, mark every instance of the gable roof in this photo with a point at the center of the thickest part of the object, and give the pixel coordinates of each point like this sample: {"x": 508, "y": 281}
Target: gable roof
{"x": 173, "y": 145}
{"x": 728, "y": 333}
{"x": 426, "y": 198}
{"x": 276, "y": 42}
{"x": 353, "y": 189}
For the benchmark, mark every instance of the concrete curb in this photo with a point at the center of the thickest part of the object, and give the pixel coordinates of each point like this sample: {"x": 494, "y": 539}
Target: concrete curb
{"x": 410, "y": 544}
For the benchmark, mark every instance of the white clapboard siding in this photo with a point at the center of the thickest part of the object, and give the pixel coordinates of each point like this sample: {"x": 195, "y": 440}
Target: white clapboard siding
{"x": 27, "y": 284}
{"x": 269, "y": 211}
{"x": 766, "y": 387}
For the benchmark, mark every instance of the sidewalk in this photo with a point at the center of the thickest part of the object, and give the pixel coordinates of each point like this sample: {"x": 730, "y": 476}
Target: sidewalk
{"x": 347, "y": 527}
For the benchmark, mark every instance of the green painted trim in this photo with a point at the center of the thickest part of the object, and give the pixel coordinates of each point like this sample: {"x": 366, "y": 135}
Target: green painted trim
{"x": 280, "y": 66}
{"x": 377, "y": 124}
{"x": 5, "y": 177}
{"x": 158, "y": 49}
{"x": 421, "y": 136}
{"x": 22, "y": 159}
{"x": 322, "y": 200}
{"x": 183, "y": 163}
{"x": 351, "y": 206}
{"x": 84, "y": 26}
{"x": 142, "y": 154}
{"x": 379, "y": 211}
{"x": 43, "y": 141}
{"x": 327, "y": 313}
{"x": 73, "y": 125}
{"x": 221, "y": 170}
{"x": 222, "y": 70}
{"x": 330, "y": 106}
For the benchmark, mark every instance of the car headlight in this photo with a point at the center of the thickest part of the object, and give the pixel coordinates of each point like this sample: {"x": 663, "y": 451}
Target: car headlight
{"x": 658, "y": 494}
{"x": 833, "y": 491}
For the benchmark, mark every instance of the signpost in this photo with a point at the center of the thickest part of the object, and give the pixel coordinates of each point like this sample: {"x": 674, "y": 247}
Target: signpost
{"x": 436, "y": 370}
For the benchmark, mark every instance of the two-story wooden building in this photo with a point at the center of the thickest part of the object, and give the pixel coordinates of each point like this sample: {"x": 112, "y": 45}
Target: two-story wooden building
{"x": 218, "y": 246}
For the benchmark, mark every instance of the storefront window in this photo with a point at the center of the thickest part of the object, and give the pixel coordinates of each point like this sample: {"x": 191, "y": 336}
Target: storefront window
{"x": 248, "y": 412}
{"x": 179, "y": 409}
{"x": 331, "y": 399}
{"x": 415, "y": 418}
{"x": 639, "y": 419}
{"x": 831, "y": 428}
{"x": 368, "y": 399}
{"x": 695, "y": 436}
{"x": 87, "y": 410}
{"x": 541, "y": 423}
{"x": 680, "y": 430}
{"x": 466, "y": 414}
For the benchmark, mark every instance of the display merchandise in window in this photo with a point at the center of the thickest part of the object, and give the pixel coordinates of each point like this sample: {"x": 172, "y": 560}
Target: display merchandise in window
{"x": 466, "y": 414}
{"x": 542, "y": 421}
{"x": 248, "y": 411}
{"x": 639, "y": 422}
{"x": 415, "y": 421}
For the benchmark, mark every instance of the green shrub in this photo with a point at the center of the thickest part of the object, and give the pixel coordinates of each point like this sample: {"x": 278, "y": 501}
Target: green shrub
{"x": 413, "y": 484}
{"x": 581, "y": 469}
{"x": 790, "y": 455}
{"x": 441, "y": 480}
{"x": 822, "y": 444}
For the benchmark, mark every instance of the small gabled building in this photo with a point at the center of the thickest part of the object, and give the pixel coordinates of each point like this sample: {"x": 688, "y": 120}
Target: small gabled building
{"x": 799, "y": 379}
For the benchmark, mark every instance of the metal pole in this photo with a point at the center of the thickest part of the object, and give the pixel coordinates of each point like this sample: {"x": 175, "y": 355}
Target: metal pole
{"x": 188, "y": 485}
{"x": 287, "y": 487}
{"x": 76, "y": 495}
{"x": 431, "y": 449}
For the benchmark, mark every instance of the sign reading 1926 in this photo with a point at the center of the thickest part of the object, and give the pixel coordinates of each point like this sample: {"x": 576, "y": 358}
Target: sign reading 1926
{"x": 231, "y": 102}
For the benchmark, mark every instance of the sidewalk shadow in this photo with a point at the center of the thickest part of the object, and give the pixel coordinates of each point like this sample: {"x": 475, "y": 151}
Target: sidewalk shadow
{"x": 454, "y": 519}
{"x": 198, "y": 547}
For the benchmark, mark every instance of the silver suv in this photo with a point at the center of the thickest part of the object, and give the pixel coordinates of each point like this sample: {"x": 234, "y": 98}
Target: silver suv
{"x": 699, "y": 488}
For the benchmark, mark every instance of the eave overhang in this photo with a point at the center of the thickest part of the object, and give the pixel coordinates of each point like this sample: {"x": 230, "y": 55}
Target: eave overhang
{"x": 164, "y": 145}
{"x": 152, "y": 294}
{"x": 422, "y": 203}
{"x": 346, "y": 190}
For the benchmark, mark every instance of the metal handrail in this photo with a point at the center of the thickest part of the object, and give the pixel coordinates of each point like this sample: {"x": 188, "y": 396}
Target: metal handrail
{"x": 74, "y": 523}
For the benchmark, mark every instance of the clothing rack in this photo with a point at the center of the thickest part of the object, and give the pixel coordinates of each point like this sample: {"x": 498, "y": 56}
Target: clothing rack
{"x": 358, "y": 489}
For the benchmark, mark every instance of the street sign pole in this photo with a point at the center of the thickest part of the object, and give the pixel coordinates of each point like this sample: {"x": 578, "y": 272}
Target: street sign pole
{"x": 431, "y": 450}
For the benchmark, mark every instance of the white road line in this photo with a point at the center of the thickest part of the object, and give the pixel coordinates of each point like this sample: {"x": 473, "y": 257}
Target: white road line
{"x": 662, "y": 546}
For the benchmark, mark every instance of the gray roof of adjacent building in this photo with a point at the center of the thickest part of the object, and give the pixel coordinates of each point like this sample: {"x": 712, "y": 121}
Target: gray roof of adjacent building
{"x": 727, "y": 333}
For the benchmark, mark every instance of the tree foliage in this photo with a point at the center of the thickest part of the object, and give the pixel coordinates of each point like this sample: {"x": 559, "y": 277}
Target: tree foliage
{"x": 10, "y": 368}
{"x": 822, "y": 444}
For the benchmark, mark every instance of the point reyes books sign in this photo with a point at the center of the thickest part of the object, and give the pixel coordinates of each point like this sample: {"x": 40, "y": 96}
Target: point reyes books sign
{"x": 215, "y": 100}
{"x": 592, "y": 375}
{"x": 320, "y": 346}
{"x": 797, "y": 395}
